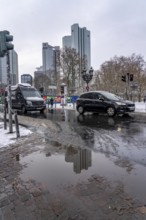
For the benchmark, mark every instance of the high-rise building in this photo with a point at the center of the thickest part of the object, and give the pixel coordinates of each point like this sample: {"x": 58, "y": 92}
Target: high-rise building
{"x": 50, "y": 56}
{"x": 13, "y": 68}
{"x": 79, "y": 40}
{"x": 67, "y": 41}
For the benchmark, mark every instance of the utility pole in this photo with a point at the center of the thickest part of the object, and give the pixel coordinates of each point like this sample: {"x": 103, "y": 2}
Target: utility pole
{"x": 9, "y": 94}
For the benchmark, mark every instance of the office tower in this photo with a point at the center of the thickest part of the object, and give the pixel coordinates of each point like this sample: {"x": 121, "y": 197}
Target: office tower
{"x": 67, "y": 41}
{"x": 50, "y": 56}
{"x": 26, "y": 78}
{"x": 79, "y": 40}
{"x": 13, "y": 68}
{"x": 3, "y": 71}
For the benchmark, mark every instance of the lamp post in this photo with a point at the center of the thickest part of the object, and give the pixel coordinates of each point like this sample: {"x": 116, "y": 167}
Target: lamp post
{"x": 87, "y": 76}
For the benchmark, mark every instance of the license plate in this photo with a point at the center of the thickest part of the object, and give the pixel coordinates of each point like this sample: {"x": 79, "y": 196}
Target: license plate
{"x": 132, "y": 108}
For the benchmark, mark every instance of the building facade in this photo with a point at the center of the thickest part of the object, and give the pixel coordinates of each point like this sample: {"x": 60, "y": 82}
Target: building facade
{"x": 79, "y": 40}
{"x": 67, "y": 41}
{"x": 13, "y": 69}
{"x": 50, "y": 55}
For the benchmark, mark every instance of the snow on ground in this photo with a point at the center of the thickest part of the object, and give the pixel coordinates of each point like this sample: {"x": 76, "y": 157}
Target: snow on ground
{"x": 140, "y": 106}
{"x": 6, "y": 138}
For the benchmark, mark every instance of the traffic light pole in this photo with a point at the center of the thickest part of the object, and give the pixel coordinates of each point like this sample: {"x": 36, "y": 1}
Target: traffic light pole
{"x": 9, "y": 94}
{"x": 127, "y": 86}
{"x": 127, "y": 78}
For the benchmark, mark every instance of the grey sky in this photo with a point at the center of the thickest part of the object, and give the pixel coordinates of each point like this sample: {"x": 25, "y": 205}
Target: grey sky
{"x": 118, "y": 27}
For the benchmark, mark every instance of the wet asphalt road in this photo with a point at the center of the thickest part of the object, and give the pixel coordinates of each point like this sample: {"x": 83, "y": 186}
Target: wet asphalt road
{"x": 75, "y": 167}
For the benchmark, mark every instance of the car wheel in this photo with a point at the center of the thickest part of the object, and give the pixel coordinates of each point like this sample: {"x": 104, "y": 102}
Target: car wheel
{"x": 81, "y": 109}
{"x": 24, "y": 110}
{"x": 111, "y": 111}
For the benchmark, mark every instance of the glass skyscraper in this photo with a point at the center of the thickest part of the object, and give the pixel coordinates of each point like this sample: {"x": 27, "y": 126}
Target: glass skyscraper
{"x": 79, "y": 40}
{"x": 13, "y": 68}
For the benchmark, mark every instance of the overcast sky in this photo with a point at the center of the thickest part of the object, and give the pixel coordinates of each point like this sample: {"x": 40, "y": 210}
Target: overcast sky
{"x": 118, "y": 27}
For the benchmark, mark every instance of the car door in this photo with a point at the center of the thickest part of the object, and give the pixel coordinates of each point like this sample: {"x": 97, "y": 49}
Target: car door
{"x": 88, "y": 101}
{"x": 99, "y": 102}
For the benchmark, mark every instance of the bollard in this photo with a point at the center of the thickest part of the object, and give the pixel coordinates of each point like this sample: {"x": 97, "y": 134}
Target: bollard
{"x": 5, "y": 117}
{"x": 17, "y": 125}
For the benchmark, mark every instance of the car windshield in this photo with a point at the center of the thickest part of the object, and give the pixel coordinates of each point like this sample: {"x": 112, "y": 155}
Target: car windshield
{"x": 30, "y": 92}
{"x": 111, "y": 96}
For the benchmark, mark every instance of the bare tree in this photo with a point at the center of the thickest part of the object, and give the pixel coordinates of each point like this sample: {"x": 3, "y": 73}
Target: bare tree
{"x": 71, "y": 65}
{"x": 110, "y": 74}
{"x": 42, "y": 81}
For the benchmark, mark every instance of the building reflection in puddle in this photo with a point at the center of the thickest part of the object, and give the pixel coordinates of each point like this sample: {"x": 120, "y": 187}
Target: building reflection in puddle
{"x": 81, "y": 158}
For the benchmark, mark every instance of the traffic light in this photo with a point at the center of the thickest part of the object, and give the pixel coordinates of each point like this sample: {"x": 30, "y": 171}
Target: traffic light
{"x": 123, "y": 78}
{"x": 131, "y": 77}
{"x": 62, "y": 89}
{"x": 5, "y": 44}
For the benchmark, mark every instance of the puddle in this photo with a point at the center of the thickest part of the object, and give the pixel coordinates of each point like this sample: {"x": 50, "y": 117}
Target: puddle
{"x": 61, "y": 170}
{"x": 110, "y": 145}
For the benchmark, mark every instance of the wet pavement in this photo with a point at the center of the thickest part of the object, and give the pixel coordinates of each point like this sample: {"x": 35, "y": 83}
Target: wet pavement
{"x": 74, "y": 167}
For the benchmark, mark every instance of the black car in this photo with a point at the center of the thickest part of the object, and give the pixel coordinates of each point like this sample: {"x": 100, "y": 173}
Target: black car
{"x": 103, "y": 102}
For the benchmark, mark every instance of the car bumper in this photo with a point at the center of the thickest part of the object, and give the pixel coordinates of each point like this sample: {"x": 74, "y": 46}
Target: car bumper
{"x": 35, "y": 108}
{"x": 123, "y": 109}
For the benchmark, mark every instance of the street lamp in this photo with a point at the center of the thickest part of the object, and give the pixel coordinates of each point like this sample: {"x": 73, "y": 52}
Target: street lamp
{"x": 87, "y": 76}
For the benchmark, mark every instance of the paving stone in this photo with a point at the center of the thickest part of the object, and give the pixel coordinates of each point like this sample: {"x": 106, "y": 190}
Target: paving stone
{"x": 1, "y": 216}
{"x": 35, "y": 192}
{"x": 3, "y": 196}
{"x": 25, "y": 197}
{"x": 8, "y": 213}
{"x": 4, "y": 202}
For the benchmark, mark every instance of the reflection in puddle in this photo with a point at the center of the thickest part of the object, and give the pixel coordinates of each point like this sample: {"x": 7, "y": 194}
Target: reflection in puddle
{"x": 17, "y": 157}
{"x": 81, "y": 159}
{"x": 59, "y": 170}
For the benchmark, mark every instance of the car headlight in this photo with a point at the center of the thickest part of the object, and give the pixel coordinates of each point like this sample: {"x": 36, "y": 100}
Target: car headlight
{"x": 29, "y": 102}
{"x": 120, "y": 103}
